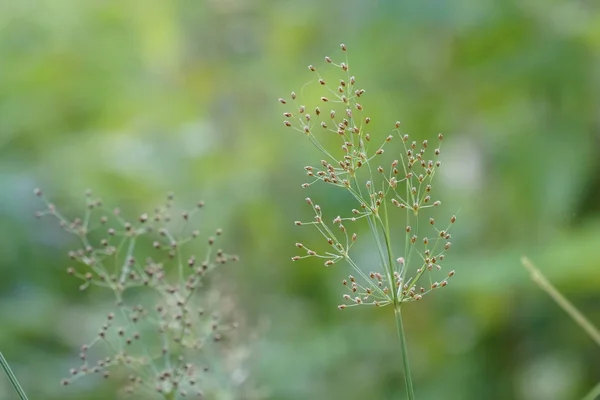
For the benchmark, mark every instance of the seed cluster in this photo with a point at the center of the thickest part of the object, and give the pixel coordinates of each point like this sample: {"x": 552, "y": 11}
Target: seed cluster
{"x": 170, "y": 329}
{"x": 357, "y": 165}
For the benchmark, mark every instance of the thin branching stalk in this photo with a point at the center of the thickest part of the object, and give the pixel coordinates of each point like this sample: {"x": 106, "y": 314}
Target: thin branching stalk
{"x": 181, "y": 312}
{"x": 12, "y": 378}
{"x": 379, "y": 185}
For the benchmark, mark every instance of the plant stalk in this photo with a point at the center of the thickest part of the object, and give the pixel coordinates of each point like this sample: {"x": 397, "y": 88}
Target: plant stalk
{"x": 170, "y": 395}
{"x": 12, "y": 378}
{"x": 402, "y": 338}
{"x": 565, "y": 304}
{"x": 593, "y": 394}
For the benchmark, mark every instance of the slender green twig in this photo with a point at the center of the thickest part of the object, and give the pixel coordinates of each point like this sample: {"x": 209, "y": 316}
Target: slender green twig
{"x": 402, "y": 337}
{"x": 565, "y": 304}
{"x": 12, "y": 378}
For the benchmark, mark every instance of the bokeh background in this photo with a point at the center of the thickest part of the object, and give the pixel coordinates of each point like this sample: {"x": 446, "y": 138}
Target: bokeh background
{"x": 134, "y": 99}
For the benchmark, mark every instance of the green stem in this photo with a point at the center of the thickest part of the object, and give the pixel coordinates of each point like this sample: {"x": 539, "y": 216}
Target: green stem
{"x": 390, "y": 270}
{"x": 170, "y": 395}
{"x": 565, "y": 304}
{"x": 410, "y": 393}
{"x": 402, "y": 337}
{"x": 594, "y": 393}
{"x": 12, "y": 378}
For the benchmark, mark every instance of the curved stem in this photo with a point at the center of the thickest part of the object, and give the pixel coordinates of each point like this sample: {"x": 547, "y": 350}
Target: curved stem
{"x": 402, "y": 338}
{"x": 12, "y": 378}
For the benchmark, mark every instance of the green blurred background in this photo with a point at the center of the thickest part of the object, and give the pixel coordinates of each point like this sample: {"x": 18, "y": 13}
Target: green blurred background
{"x": 134, "y": 99}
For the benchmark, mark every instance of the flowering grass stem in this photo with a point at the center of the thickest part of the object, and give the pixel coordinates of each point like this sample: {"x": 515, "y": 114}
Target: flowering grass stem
{"x": 373, "y": 180}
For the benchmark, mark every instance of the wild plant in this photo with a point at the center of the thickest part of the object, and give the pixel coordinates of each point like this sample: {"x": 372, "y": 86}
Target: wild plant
{"x": 394, "y": 196}
{"x": 172, "y": 332}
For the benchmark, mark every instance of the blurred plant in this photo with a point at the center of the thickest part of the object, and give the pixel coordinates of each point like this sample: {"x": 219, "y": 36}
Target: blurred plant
{"x": 171, "y": 330}
{"x": 12, "y": 378}
{"x": 357, "y": 165}
{"x": 538, "y": 278}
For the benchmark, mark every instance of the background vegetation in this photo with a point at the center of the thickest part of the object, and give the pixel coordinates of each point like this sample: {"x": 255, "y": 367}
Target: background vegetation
{"x": 135, "y": 99}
